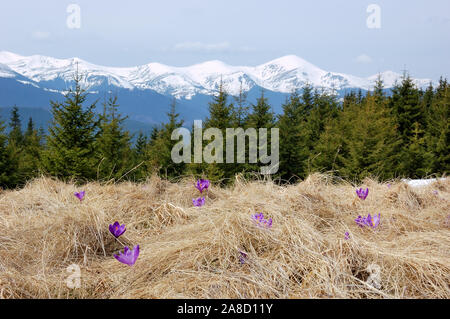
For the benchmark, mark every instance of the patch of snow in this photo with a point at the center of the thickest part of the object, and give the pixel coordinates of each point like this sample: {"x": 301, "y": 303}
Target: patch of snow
{"x": 420, "y": 182}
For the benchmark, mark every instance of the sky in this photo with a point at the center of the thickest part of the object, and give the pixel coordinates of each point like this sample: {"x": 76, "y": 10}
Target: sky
{"x": 334, "y": 35}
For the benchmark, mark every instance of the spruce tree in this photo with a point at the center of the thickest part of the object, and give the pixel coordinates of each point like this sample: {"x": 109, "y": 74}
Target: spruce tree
{"x": 160, "y": 148}
{"x": 8, "y": 168}
{"x": 221, "y": 116}
{"x": 29, "y": 131}
{"x": 405, "y": 106}
{"x": 15, "y": 133}
{"x": 437, "y": 135}
{"x": 369, "y": 141}
{"x": 407, "y": 110}
{"x": 241, "y": 109}
{"x": 260, "y": 117}
{"x": 15, "y": 147}
{"x": 31, "y": 155}
{"x": 141, "y": 144}
{"x": 71, "y": 151}
{"x": 113, "y": 143}
{"x": 139, "y": 157}
{"x": 289, "y": 124}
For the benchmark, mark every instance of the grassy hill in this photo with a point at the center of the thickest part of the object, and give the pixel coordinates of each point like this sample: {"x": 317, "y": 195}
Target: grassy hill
{"x": 189, "y": 252}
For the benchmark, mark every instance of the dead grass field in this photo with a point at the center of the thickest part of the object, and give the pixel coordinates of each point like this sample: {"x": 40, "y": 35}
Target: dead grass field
{"x": 189, "y": 252}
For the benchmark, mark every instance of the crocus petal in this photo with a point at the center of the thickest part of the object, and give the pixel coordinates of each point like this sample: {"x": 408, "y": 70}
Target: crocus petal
{"x": 129, "y": 256}
{"x": 135, "y": 253}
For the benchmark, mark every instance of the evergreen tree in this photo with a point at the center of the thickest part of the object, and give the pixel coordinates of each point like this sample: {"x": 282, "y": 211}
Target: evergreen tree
{"x": 261, "y": 117}
{"x": 325, "y": 109}
{"x": 15, "y": 147}
{"x": 405, "y": 106}
{"x": 29, "y": 164}
{"x": 321, "y": 154}
{"x": 241, "y": 109}
{"x": 153, "y": 135}
{"x": 437, "y": 135}
{"x": 141, "y": 145}
{"x": 15, "y": 133}
{"x": 378, "y": 92}
{"x": 416, "y": 159}
{"x": 221, "y": 116}
{"x": 139, "y": 157}
{"x": 8, "y": 167}
{"x": 407, "y": 110}
{"x": 71, "y": 141}
{"x": 113, "y": 143}
{"x": 160, "y": 148}
{"x": 369, "y": 141}
{"x": 289, "y": 124}
{"x": 29, "y": 131}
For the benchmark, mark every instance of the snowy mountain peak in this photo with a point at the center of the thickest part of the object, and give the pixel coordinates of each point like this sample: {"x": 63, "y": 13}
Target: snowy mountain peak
{"x": 8, "y": 57}
{"x": 291, "y": 62}
{"x": 283, "y": 74}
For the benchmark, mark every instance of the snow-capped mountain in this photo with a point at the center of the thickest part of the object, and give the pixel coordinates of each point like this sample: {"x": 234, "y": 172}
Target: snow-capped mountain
{"x": 281, "y": 75}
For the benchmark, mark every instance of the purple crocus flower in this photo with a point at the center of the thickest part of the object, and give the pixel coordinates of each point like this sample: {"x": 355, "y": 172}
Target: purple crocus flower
{"x": 347, "y": 235}
{"x": 80, "y": 195}
{"x": 116, "y": 229}
{"x": 373, "y": 221}
{"x": 435, "y": 192}
{"x": 199, "y": 202}
{"x": 362, "y": 193}
{"x": 368, "y": 221}
{"x": 129, "y": 256}
{"x": 361, "y": 221}
{"x": 202, "y": 184}
{"x": 242, "y": 257}
{"x": 261, "y": 221}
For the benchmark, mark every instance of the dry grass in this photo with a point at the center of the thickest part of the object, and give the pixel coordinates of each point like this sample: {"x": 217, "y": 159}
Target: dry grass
{"x": 189, "y": 252}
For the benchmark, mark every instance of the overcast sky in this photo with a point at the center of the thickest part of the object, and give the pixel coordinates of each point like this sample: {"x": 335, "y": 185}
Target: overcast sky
{"x": 330, "y": 34}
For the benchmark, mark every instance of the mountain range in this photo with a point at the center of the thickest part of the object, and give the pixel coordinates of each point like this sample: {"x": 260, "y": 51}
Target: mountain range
{"x": 145, "y": 91}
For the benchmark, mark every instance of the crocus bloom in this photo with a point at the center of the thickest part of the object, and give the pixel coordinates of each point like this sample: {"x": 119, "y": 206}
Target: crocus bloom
{"x": 373, "y": 221}
{"x": 129, "y": 256}
{"x": 243, "y": 257}
{"x": 116, "y": 229}
{"x": 361, "y": 221}
{"x": 347, "y": 235}
{"x": 362, "y": 193}
{"x": 435, "y": 192}
{"x": 368, "y": 221}
{"x": 202, "y": 184}
{"x": 199, "y": 201}
{"x": 80, "y": 195}
{"x": 261, "y": 221}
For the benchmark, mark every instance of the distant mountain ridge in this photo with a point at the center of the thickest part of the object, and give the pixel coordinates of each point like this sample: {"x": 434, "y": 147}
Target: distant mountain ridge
{"x": 146, "y": 91}
{"x": 281, "y": 75}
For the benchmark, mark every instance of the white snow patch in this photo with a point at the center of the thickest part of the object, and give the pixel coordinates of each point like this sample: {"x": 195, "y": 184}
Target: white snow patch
{"x": 420, "y": 182}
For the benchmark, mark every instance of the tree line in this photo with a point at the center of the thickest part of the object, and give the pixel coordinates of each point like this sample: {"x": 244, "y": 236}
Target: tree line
{"x": 403, "y": 133}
